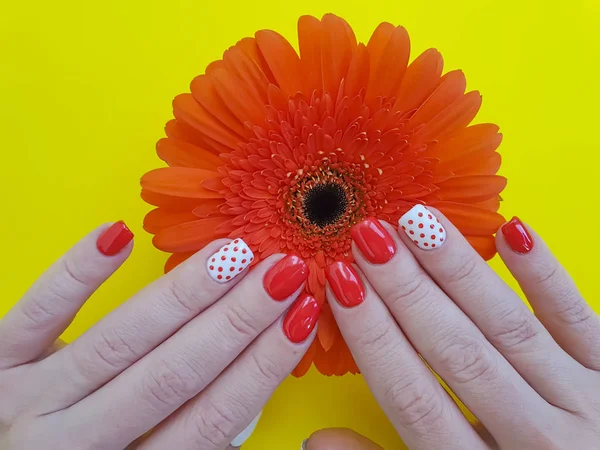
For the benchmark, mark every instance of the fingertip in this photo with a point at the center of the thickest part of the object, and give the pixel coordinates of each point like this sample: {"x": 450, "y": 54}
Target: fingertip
{"x": 338, "y": 438}
{"x": 114, "y": 238}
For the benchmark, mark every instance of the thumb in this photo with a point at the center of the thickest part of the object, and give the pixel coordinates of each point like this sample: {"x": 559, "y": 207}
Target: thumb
{"x": 338, "y": 439}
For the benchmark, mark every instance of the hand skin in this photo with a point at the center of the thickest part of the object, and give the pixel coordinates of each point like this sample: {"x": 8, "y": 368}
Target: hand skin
{"x": 533, "y": 380}
{"x": 192, "y": 359}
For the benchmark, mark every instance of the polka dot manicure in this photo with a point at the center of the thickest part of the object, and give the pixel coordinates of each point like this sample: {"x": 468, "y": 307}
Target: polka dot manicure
{"x": 229, "y": 261}
{"x": 423, "y": 228}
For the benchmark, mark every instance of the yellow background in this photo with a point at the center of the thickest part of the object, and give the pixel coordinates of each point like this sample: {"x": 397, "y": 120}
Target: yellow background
{"x": 86, "y": 87}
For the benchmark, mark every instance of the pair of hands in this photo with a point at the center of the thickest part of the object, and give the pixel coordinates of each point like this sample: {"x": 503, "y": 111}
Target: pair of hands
{"x": 196, "y": 357}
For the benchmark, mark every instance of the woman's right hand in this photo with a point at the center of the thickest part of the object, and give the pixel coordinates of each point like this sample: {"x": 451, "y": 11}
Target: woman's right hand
{"x": 202, "y": 348}
{"x": 424, "y": 294}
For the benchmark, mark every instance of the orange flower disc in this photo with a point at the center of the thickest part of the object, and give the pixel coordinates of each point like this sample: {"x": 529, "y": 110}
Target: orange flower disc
{"x": 289, "y": 151}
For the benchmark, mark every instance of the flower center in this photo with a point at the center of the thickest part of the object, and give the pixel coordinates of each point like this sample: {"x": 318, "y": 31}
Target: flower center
{"x": 325, "y": 203}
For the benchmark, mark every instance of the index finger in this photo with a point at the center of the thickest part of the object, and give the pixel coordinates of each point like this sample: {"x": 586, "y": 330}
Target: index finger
{"x": 421, "y": 411}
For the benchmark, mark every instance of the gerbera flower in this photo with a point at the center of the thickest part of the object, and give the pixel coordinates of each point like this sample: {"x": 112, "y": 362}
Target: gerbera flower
{"x": 288, "y": 152}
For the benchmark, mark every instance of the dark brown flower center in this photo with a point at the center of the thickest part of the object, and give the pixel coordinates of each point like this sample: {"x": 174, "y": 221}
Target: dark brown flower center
{"x": 325, "y": 203}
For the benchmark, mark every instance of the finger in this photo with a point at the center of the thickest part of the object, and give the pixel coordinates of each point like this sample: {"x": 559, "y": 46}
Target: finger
{"x": 183, "y": 365}
{"x": 138, "y": 326}
{"x": 495, "y": 308}
{"x": 416, "y": 404}
{"x": 216, "y": 416}
{"x": 338, "y": 438}
{"x": 453, "y": 346}
{"x": 50, "y": 305}
{"x": 551, "y": 292}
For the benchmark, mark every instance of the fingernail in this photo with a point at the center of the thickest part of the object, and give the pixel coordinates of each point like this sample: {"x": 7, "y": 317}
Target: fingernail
{"x": 114, "y": 239}
{"x": 229, "y": 261}
{"x": 244, "y": 435}
{"x": 517, "y": 236}
{"x": 423, "y": 228}
{"x": 285, "y": 277}
{"x": 345, "y": 284}
{"x": 304, "y": 444}
{"x": 374, "y": 242}
{"x": 301, "y": 319}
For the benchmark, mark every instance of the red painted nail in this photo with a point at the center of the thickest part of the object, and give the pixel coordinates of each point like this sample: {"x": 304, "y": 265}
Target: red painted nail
{"x": 113, "y": 240}
{"x": 345, "y": 284}
{"x": 285, "y": 277}
{"x": 301, "y": 319}
{"x": 374, "y": 242}
{"x": 517, "y": 236}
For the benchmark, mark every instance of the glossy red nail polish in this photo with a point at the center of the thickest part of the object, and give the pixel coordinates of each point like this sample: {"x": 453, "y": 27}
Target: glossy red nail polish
{"x": 345, "y": 284}
{"x": 517, "y": 236}
{"x": 374, "y": 242}
{"x": 301, "y": 319}
{"x": 285, "y": 277}
{"x": 114, "y": 239}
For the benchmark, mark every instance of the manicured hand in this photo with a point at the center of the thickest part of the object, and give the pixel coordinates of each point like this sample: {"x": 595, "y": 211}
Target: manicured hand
{"x": 194, "y": 356}
{"x": 532, "y": 380}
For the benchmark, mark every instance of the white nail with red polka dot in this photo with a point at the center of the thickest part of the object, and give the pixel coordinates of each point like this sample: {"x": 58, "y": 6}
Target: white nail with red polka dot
{"x": 423, "y": 228}
{"x": 229, "y": 261}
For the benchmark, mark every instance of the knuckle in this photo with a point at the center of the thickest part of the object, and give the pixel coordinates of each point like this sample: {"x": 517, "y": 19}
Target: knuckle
{"x": 464, "y": 271}
{"x": 241, "y": 321}
{"x": 113, "y": 350}
{"x": 546, "y": 277}
{"x": 576, "y": 312}
{"x": 214, "y": 424}
{"x": 375, "y": 339}
{"x": 167, "y": 385}
{"x": 39, "y": 312}
{"x": 76, "y": 273}
{"x": 405, "y": 295}
{"x": 181, "y": 298}
{"x": 465, "y": 358}
{"x": 516, "y": 327}
{"x": 268, "y": 372}
{"x": 414, "y": 403}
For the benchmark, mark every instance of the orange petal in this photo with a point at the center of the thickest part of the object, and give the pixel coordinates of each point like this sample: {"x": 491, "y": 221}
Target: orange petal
{"x": 205, "y": 92}
{"x": 242, "y": 102}
{"x": 326, "y": 362}
{"x": 358, "y": 72}
{"x": 170, "y": 202}
{"x": 378, "y": 41}
{"x": 388, "y": 71}
{"x": 160, "y": 218}
{"x": 309, "y": 42}
{"x": 337, "y": 46}
{"x": 281, "y": 59}
{"x": 421, "y": 78}
{"x": 470, "y": 220}
{"x": 208, "y": 207}
{"x": 183, "y": 154}
{"x": 484, "y": 245}
{"x": 477, "y": 163}
{"x": 306, "y": 361}
{"x": 175, "y": 259}
{"x": 450, "y": 88}
{"x": 457, "y": 115}
{"x": 471, "y": 188}
{"x": 189, "y": 236}
{"x": 250, "y": 47}
{"x": 179, "y": 182}
{"x": 482, "y": 137}
{"x": 493, "y": 204}
{"x": 188, "y": 110}
{"x": 327, "y": 331}
{"x": 182, "y": 132}
{"x": 242, "y": 63}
